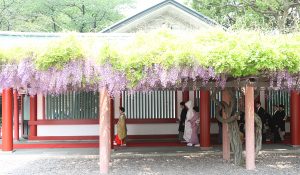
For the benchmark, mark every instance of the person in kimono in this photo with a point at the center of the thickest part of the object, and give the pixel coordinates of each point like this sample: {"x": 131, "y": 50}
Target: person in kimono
{"x": 121, "y": 129}
{"x": 195, "y": 120}
{"x": 187, "y": 126}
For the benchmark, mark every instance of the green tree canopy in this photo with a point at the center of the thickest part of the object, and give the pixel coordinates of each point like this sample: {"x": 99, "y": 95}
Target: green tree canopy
{"x": 59, "y": 15}
{"x": 282, "y": 15}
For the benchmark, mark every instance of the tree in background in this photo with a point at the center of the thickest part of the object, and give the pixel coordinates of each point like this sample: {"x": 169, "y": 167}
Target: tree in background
{"x": 281, "y": 15}
{"x": 59, "y": 15}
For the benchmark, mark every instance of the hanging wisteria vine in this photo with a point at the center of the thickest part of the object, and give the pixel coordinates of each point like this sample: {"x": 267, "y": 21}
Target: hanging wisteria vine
{"x": 86, "y": 75}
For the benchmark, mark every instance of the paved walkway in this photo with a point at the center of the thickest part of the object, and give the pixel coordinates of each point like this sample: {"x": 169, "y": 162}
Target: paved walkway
{"x": 274, "y": 159}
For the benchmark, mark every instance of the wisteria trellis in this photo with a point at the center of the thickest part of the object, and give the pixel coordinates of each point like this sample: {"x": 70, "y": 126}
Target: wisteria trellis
{"x": 225, "y": 55}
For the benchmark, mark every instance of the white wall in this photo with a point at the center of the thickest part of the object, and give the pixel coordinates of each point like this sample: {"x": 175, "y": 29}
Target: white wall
{"x": 68, "y": 130}
{"x": 39, "y": 106}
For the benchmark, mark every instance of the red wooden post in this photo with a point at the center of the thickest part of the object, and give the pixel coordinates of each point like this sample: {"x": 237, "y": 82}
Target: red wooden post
{"x": 112, "y": 122}
{"x": 204, "y": 119}
{"x": 22, "y": 117}
{"x": 16, "y": 116}
{"x": 104, "y": 119}
{"x": 295, "y": 118}
{"x": 7, "y": 119}
{"x": 225, "y": 137}
{"x": 249, "y": 124}
{"x": 33, "y": 116}
{"x": 185, "y": 95}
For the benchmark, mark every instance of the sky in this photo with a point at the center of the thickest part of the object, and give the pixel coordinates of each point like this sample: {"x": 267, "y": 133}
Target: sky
{"x": 141, "y": 5}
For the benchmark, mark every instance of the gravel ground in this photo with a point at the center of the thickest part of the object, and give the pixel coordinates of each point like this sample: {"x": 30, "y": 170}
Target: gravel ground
{"x": 131, "y": 162}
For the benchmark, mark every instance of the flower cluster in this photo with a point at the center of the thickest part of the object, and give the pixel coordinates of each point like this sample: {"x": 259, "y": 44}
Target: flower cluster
{"x": 89, "y": 76}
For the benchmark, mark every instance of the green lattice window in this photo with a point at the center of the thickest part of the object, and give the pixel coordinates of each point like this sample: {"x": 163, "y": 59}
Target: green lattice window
{"x": 152, "y": 105}
{"x": 72, "y": 105}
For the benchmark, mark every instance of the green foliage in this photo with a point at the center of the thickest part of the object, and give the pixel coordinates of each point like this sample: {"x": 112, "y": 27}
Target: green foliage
{"x": 59, "y": 15}
{"x": 237, "y": 54}
{"x": 59, "y": 53}
{"x": 15, "y": 54}
{"x": 281, "y": 15}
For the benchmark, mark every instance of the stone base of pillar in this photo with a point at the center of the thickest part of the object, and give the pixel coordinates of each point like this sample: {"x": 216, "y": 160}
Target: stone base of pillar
{"x": 6, "y": 152}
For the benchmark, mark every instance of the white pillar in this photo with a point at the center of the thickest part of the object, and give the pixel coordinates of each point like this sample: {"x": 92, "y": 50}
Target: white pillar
{"x": 249, "y": 123}
{"x": 105, "y": 140}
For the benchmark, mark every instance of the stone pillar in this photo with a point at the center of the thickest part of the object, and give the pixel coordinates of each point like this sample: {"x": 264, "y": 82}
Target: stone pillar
{"x": 104, "y": 119}
{"x": 295, "y": 118}
{"x": 33, "y": 116}
{"x": 16, "y": 116}
{"x": 225, "y": 136}
{"x": 7, "y": 119}
{"x": 204, "y": 119}
{"x": 249, "y": 124}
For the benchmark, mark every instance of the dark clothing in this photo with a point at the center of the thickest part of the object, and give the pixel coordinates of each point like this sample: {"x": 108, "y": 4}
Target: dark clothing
{"x": 281, "y": 121}
{"x": 262, "y": 114}
{"x": 241, "y": 122}
{"x": 182, "y": 119}
{"x": 220, "y": 136}
{"x": 275, "y": 126}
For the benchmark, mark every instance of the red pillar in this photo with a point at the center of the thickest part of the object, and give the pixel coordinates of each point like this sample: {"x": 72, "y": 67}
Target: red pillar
{"x": 225, "y": 137}
{"x": 185, "y": 96}
{"x": 204, "y": 119}
{"x": 16, "y": 116}
{"x": 7, "y": 119}
{"x": 104, "y": 131}
{"x": 249, "y": 124}
{"x": 112, "y": 122}
{"x": 295, "y": 118}
{"x": 33, "y": 116}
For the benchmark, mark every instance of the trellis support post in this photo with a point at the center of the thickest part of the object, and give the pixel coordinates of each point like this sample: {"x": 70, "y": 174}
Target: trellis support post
{"x": 105, "y": 132}
{"x": 249, "y": 124}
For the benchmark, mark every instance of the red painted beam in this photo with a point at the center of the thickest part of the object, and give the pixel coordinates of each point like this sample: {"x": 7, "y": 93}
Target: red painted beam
{"x": 295, "y": 118}
{"x": 7, "y": 119}
{"x": 112, "y": 124}
{"x": 64, "y": 138}
{"x": 185, "y": 96}
{"x": 33, "y": 115}
{"x": 204, "y": 118}
{"x": 16, "y": 116}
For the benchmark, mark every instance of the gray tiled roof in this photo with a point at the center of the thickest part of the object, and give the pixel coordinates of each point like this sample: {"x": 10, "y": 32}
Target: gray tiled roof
{"x": 155, "y": 7}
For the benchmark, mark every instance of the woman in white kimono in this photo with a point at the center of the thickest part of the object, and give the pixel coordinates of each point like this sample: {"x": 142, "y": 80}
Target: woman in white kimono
{"x": 188, "y": 127}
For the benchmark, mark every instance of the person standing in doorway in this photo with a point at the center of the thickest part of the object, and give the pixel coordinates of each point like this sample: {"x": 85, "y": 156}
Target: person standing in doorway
{"x": 262, "y": 115}
{"x": 121, "y": 129}
{"x": 187, "y": 126}
{"x": 274, "y": 124}
{"x": 281, "y": 122}
{"x": 194, "y": 141}
{"x": 182, "y": 121}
